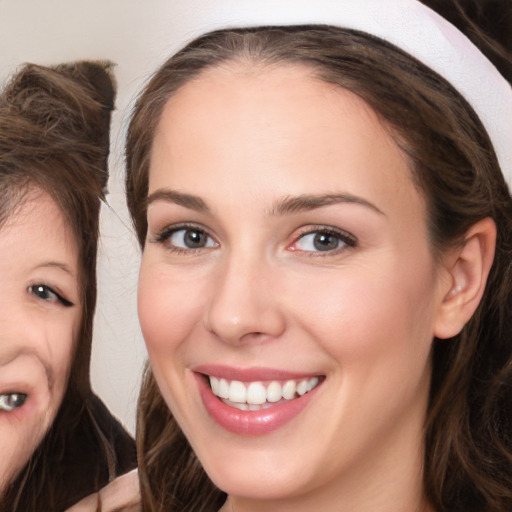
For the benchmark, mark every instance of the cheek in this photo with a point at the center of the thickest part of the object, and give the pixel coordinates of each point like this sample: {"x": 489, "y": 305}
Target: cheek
{"x": 377, "y": 332}
{"x": 368, "y": 312}
{"x": 169, "y": 307}
{"x": 63, "y": 347}
{"x": 19, "y": 437}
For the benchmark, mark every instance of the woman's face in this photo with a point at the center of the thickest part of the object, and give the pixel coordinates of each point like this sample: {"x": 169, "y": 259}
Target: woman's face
{"x": 40, "y": 314}
{"x": 287, "y": 266}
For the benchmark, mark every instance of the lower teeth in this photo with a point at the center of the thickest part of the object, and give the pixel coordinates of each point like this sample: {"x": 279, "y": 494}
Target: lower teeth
{"x": 252, "y": 407}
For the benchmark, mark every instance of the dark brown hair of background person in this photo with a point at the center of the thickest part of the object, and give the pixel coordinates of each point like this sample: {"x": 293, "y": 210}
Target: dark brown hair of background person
{"x": 468, "y": 450}
{"x": 488, "y": 23}
{"x": 54, "y": 135}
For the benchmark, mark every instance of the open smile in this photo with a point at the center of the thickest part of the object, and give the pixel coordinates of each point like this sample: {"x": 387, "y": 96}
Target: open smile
{"x": 255, "y": 396}
{"x": 255, "y": 407}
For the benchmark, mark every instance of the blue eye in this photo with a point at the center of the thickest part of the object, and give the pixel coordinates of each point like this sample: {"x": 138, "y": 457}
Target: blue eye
{"x": 11, "y": 401}
{"x": 323, "y": 240}
{"x": 45, "y": 292}
{"x": 186, "y": 238}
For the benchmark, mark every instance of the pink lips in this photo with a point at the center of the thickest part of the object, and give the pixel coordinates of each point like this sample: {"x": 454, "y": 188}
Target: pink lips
{"x": 250, "y": 423}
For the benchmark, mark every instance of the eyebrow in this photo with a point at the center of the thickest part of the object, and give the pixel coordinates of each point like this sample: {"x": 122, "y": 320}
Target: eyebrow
{"x": 172, "y": 196}
{"x": 286, "y": 206}
{"x": 307, "y": 202}
{"x": 56, "y": 264}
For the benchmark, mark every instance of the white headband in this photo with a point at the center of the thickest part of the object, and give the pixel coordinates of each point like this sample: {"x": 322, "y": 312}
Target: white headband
{"x": 407, "y": 24}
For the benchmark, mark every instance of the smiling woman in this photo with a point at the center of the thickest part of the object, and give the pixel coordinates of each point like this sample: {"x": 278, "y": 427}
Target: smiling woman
{"x": 325, "y": 286}
{"x": 58, "y": 442}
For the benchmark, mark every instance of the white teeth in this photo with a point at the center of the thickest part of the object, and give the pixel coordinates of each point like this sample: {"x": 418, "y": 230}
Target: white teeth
{"x": 312, "y": 383}
{"x": 214, "y": 383}
{"x": 237, "y": 392}
{"x": 302, "y": 387}
{"x": 223, "y": 389}
{"x": 255, "y": 395}
{"x": 289, "y": 390}
{"x": 242, "y": 407}
{"x": 274, "y": 392}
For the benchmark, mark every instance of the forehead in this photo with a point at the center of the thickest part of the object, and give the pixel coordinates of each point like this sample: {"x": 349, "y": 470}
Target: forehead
{"x": 37, "y": 231}
{"x": 243, "y": 125}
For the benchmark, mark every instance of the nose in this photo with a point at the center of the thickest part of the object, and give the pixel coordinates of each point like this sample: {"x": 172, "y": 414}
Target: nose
{"x": 245, "y": 306}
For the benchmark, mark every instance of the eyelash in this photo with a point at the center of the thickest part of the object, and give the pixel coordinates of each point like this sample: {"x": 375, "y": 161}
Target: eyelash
{"x": 165, "y": 235}
{"x": 347, "y": 240}
{"x": 44, "y": 288}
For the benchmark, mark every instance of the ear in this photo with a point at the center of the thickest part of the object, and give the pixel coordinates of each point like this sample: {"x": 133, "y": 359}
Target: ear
{"x": 468, "y": 267}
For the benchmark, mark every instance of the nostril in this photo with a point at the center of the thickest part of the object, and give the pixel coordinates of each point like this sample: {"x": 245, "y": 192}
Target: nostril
{"x": 256, "y": 337}
{"x": 245, "y": 319}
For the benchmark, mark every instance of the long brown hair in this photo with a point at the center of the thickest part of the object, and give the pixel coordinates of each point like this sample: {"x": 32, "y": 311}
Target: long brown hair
{"x": 54, "y": 136}
{"x": 468, "y": 449}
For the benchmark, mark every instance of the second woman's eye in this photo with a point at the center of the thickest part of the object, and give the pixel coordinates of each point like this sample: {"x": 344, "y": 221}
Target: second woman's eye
{"x": 11, "y": 401}
{"x": 187, "y": 238}
{"x": 323, "y": 240}
{"x": 45, "y": 292}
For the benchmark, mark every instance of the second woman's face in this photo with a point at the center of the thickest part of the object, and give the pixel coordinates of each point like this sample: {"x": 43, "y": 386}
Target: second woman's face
{"x": 288, "y": 296}
{"x": 40, "y": 314}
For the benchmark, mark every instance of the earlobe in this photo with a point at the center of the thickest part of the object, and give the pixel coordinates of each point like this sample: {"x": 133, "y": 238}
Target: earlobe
{"x": 469, "y": 267}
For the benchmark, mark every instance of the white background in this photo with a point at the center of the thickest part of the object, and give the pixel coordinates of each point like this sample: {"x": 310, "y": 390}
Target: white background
{"x": 136, "y": 35}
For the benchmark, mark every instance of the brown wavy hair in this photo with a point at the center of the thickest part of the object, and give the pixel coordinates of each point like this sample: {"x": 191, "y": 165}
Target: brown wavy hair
{"x": 54, "y": 136}
{"x": 468, "y": 432}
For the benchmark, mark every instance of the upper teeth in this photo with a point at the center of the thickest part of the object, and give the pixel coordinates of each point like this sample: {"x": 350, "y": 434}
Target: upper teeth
{"x": 258, "y": 393}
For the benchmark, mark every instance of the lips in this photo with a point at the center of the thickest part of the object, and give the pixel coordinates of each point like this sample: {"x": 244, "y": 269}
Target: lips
{"x": 255, "y": 402}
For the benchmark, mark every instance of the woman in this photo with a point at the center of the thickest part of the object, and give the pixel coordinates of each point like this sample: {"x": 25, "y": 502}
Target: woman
{"x": 59, "y": 442}
{"x": 325, "y": 286}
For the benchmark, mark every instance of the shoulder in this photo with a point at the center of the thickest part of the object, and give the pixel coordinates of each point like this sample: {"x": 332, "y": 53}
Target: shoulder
{"x": 120, "y": 495}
